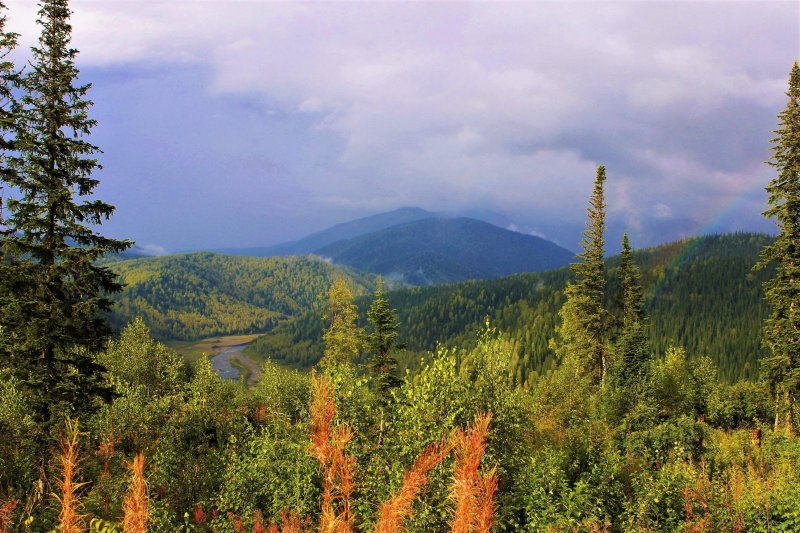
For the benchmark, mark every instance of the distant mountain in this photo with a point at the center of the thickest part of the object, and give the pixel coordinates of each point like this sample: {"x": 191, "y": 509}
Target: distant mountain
{"x": 434, "y": 251}
{"x": 191, "y": 296}
{"x": 345, "y": 230}
{"x": 700, "y": 293}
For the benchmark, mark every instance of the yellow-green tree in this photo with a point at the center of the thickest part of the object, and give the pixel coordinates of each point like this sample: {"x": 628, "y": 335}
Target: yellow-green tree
{"x": 343, "y": 339}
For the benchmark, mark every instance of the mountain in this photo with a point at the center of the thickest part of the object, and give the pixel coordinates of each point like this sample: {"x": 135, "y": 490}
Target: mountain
{"x": 345, "y": 230}
{"x": 435, "y": 251}
{"x": 701, "y": 295}
{"x": 192, "y": 296}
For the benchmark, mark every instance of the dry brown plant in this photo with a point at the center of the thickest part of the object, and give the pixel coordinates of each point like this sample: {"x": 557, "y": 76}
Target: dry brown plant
{"x": 70, "y": 519}
{"x": 396, "y": 509}
{"x": 472, "y": 491}
{"x": 136, "y": 504}
{"x": 7, "y": 515}
{"x": 328, "y": 443}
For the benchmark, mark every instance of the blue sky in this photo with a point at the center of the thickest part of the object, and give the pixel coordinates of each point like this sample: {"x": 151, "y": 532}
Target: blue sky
{"x": 248, "y": 123}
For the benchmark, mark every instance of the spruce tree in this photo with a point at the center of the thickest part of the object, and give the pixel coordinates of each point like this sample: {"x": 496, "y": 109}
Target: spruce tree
{"x": 343, "y": 339}
{"x": 9, "y": 82}
{"x": 632, "y": 346}
{"x": 582, "y": 331}
{"x": 383, "y": 341}
{"x": 782, "y": 328}
{"x": 53, "y": 322}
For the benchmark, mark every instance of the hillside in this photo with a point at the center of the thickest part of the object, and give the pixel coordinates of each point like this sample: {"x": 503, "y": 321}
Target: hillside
{"x": 701, "y": 296}
{"x": 191, "y": 296}
{"x": 345, "y": 230}
{"x": 435, "y": 251}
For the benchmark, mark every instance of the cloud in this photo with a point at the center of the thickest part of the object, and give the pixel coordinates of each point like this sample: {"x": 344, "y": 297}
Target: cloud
{"x": 503, "y": 106}
{"x": 150, "y": 249}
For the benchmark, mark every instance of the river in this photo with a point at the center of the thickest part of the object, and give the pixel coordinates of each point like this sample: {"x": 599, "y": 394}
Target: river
{"x": 223, "y": 367}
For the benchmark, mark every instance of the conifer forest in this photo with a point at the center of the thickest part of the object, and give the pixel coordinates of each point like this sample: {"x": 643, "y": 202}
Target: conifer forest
{"x": 654, "y": 390}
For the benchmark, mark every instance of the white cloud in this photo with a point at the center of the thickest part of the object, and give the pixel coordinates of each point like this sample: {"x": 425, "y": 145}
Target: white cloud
{"x": 502, "y": 105}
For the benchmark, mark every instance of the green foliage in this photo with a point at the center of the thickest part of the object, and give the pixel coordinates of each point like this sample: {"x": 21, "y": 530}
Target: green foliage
{"x": 51, "y": 292}
{"x": 382, "y": 341}
{"x": 136, "y": 360}
{"x": 782, "y": 292}
{"x": 343, "y": 339}
{"x": 584, "y": 320}
{"x": 632, "y": 351}
{"x": 193, "y": 296}
{"x": 274, "y": 473}
{"x": 699, "y": 294}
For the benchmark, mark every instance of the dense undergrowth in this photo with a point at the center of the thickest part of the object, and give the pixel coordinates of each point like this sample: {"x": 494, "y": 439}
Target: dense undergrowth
{"x": 682, "y": 452}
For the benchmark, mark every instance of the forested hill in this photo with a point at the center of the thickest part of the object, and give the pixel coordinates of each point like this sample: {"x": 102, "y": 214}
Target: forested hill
{"x": 436, "y": 251}
{"x": 701, "y": 295}
{"x": 190, "y": 296}
{"x": 343, "y": 231}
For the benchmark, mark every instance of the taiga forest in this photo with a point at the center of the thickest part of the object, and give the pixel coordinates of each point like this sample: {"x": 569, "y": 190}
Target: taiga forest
{"x": 410, "y": 371}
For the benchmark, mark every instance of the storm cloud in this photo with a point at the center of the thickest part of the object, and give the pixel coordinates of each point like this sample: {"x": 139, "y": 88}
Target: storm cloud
{"x": 247, "y": 123}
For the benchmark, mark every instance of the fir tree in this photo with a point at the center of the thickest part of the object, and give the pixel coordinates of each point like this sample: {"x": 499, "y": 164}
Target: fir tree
{"x": 383, "y": 341}
{"x": 583, "y": 317}
{"x": 782, "y": 328}
{"x": 632, "y": 341}
{"x": 9, "y": 81}
{"x": 343, "y": 339}
{"x": 53, "y": 320}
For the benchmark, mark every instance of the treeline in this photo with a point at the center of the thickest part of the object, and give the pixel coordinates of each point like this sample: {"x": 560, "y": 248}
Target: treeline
{"x": 699, "y": 294}
{"x": 192, "y": 296}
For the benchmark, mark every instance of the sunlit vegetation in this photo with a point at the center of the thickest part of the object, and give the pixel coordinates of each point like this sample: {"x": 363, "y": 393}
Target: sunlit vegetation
{"x": 699, "y": 294}
{"x": 193, "y": 296}
{"x": 603, "y": 398}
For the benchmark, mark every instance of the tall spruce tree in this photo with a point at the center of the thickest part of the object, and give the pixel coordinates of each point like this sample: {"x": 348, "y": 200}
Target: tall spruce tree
{"x": 53, "y": 322}
{"x": 382, "y": 341}
{"x": 782, "y": 328}
{"x": 9, "y": 82}
{"x": 582, "y": 331}
{"x": 632, "y": 349}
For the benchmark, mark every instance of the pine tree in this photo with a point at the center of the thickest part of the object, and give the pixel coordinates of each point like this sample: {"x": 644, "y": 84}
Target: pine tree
{"x": 632, "y": 346}
{"x": 582, "y": 331}
{"x": 782, "y": 328}
{"x": 343, "y": 339}
{"x": 383, "y": 341}
{"x": 54, "y": 320}
{"x": 9, "y": 81}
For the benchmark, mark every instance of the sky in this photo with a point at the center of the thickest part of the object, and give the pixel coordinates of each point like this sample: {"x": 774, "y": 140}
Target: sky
{"x": 246, "y": 123}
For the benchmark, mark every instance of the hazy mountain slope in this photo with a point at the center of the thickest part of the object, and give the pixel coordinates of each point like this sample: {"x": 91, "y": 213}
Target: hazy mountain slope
{"x": 436, "y": 251}
{"x": 701, "y": 295}
{"x": 345, "y": 230}
{"x": 197, "y": 295}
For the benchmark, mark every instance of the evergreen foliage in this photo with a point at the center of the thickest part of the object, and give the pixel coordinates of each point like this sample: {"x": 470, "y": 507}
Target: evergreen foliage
{"x": 632, "y": 348}
{"x": 699, "y": 294}
{"x": 52, "y": 322}
{"x": 782, "y": 329}
{"x": 382, "y": 341}
{"x": 584, "y": 320}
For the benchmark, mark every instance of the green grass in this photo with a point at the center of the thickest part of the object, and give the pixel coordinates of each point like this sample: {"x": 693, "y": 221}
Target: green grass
{"x": 194, "y": 350}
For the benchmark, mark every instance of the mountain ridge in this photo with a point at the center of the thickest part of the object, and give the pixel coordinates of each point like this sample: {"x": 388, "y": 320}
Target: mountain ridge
{"x": 337, "y": 232}
{"x": 434, "y": 251}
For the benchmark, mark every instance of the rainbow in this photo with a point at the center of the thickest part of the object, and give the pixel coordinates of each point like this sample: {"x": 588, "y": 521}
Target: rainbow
{"x": 714, "y": 222}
